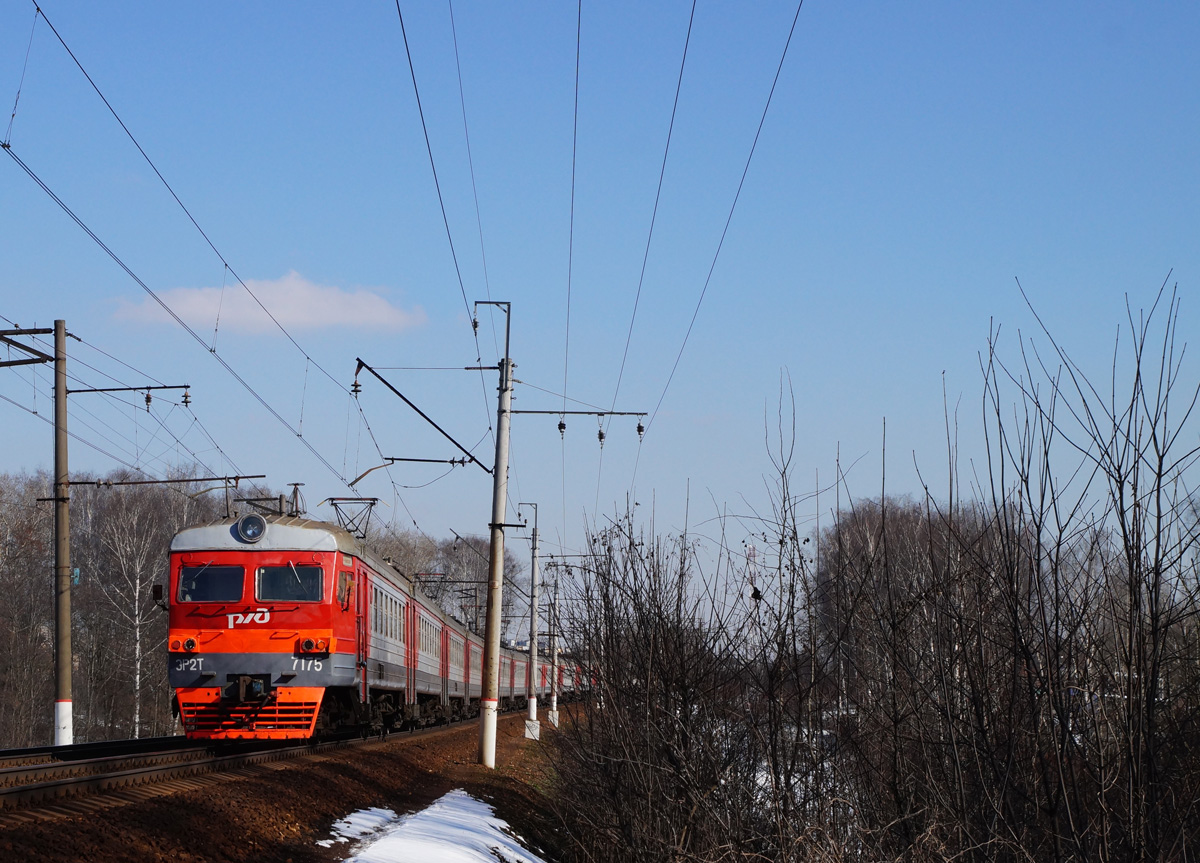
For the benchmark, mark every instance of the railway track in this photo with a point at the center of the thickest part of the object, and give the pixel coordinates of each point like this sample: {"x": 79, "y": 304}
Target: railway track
{"x": 48, "y": 754}
{"x": 38, "y": 777}
{"x": 31, "y": 784}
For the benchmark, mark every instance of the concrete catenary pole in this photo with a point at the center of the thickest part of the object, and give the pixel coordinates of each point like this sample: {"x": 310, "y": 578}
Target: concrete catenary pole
{"x": 554, "y": 656}
{"x": 490, "y": 700}
{"x": 531, "y": 683}
{"x": 63, "y": 723}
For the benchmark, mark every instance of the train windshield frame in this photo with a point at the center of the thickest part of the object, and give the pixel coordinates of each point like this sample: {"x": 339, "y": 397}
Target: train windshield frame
{"x": 290, "y": 582}
{"x": 211, "y": 582}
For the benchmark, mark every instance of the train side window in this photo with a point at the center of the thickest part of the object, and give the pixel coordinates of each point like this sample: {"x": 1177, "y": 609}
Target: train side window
{"x": 210, "y": 583}
{"x": 345, "y": 589}
{"x": 291, "y": 583}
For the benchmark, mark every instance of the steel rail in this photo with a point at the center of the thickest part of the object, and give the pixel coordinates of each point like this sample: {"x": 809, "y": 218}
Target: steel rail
{"x": 95, "y": 749}
{"x": 49, "y": 781}
{"x": 54, "y": 771}
{"x": 38, "y": 783}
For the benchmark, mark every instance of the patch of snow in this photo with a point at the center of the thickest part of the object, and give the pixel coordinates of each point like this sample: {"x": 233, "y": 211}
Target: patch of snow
{"x": 457, "y": 828}
{"x": 359, "y": 825}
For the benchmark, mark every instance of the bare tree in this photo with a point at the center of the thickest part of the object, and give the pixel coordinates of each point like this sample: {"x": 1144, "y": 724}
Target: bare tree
{"x": 1011, "y": 676}
{"x": 26, "y": 636}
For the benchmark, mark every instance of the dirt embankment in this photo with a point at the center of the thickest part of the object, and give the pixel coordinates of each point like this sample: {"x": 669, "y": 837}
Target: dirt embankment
{"x": 278, "y": 813}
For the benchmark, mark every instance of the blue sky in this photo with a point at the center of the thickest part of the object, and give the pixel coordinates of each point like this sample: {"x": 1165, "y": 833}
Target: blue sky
{"x": 916, "y": 160}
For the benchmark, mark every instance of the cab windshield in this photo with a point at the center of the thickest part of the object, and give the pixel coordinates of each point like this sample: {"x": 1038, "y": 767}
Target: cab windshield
{"x": 209, "y": 583}
{"x": 290, "y": 583}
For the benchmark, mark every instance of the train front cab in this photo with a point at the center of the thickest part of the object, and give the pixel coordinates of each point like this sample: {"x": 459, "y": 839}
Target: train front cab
{"x": 256, "y": 640}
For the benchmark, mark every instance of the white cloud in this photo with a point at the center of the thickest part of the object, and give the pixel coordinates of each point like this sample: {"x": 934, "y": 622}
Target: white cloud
{"x": 296, "y": 303}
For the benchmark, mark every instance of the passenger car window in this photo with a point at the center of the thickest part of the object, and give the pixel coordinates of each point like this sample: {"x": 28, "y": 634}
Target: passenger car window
{"x": 210, "y": 583}
{"x": 290, "y": 583}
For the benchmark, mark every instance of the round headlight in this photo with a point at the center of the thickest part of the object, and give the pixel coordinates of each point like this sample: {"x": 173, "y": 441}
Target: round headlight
{"x": 308, "y": 644}
{"x": 251, "y": 528}
{"x": 190, "y": 644}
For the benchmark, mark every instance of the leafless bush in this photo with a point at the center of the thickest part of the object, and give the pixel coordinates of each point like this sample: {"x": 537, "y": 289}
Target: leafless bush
{"x": 1013, "y": 676}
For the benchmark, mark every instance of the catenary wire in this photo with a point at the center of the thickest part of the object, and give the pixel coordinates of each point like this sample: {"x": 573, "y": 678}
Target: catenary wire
{"x": 396, "y": 496}
{"x": 649, "y": 238}
{"x": 21, "y": 85}
{"x": 137, "y": 279}
{"x": 196, "y": 421}
{"x": 77, "y": 361}
{"x": 442, "y": 204}
{"x": 89, "y": 444}
{"x": 570, "y": 254}
{"x": 557, "y": 395}
{"x": 182, "y": 206}
{"x": 74, "y": 435}
{"x": 654, "y": 213}
{"x": 213, "y": 441}
{"x": 728, "y": 219}
{"x": 571, "y": 225}
{"x": 76, "y": 407}
{"x": 178, "y": 438}
{"x": 116, "y": 360}
{"x": 462, "y": 99}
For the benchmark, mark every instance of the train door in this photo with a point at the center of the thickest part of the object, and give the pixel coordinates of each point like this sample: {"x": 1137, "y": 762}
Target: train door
{"x": 412, "y": 637}
{"x": 360, "y": 632}
{"x": 444, "y": 666}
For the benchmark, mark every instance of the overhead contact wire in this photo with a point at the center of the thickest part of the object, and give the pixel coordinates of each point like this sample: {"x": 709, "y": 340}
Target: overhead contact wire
{"x": 487, "y": 286}
{"x": 657, "y": 197}
{"x": 137, "y": 279}
{"x": 570, "y": 253}
{"x": 21, "y": 85}
{"x": 75, "y": 436}
{"x": 182, "y": 206}
{"x": 195, "y": 419}
{"x": 441, "y": 202}
{"x": 462, "y": 101}
{"x": 649, "y": 237}
{"x": 77, "y": 406}
{"x": 729, "y": 218}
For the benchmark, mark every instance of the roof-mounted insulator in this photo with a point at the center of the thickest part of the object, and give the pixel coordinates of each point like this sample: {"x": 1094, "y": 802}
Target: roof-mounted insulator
{"x": 187, "y": 398}
{"x": 641, "y": 430}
